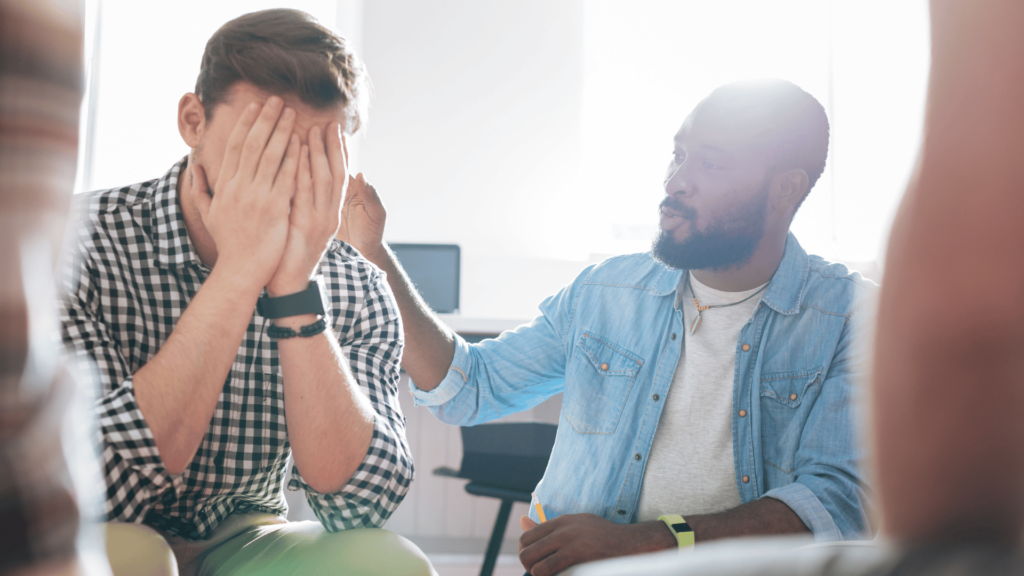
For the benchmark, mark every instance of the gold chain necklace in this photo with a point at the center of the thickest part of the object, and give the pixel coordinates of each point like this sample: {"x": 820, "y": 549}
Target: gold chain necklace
{"x": 700, "y": 309}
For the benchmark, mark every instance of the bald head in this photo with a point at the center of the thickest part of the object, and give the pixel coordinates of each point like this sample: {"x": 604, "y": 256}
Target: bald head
{"x": 777, "y": 115}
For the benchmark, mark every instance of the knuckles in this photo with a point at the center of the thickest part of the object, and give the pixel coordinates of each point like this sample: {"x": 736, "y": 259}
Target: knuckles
{"x": 252, "y": 146}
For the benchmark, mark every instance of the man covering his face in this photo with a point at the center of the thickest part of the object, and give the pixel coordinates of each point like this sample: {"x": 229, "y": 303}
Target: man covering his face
{"x": 232, "y": 333}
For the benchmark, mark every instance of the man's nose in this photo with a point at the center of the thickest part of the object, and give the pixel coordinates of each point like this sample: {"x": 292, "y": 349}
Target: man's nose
{"x": 676, "y": 183}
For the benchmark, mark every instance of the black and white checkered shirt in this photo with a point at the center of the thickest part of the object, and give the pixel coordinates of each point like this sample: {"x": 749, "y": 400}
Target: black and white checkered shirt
{"x": 134, "y": 274}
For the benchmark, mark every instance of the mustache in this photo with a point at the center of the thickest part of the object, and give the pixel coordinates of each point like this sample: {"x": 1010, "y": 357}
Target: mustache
{"x": 675, "y": 205}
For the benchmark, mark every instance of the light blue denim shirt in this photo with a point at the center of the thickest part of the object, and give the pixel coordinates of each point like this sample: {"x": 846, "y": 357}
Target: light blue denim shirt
{"x": 611, "y": 340}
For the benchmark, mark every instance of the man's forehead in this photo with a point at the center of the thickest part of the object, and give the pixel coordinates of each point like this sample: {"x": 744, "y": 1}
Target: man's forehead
{"x": 723, "y": 128}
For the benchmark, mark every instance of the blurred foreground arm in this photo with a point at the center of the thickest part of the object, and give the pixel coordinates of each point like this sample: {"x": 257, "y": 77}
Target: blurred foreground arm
{"x": 949, "y": 369}
{"x": 40, "y": 95}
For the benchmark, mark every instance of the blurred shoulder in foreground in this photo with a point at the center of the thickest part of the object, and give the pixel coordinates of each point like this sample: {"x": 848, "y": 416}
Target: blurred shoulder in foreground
{"x": 43, "y": 450}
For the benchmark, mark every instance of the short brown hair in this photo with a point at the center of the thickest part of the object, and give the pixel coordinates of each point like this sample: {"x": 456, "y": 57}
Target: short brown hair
{"x": 284, "y": 51}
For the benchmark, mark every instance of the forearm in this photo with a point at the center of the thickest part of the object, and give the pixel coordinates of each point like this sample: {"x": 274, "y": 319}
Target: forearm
{"x": 570, "y": 539}
{"x": 762, "y": 517}
{"x": 177, "y": 389}
{"x": 330, "y": 420}
{"x": 429, "y": 344}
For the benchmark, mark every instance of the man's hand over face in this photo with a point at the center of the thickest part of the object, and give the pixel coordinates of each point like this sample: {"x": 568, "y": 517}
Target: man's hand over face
{"x": 248, "y": 216}
{"x": 362, "y": 217}
{"x": 315, "y": 209}
{"x": 547, "y": 549}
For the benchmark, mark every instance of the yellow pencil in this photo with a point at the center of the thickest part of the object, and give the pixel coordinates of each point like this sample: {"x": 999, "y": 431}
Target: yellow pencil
{"x": 539, "y": 508}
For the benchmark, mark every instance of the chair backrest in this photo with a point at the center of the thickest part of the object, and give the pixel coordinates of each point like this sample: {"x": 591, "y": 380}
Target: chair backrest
{"x": 510, "y": 455}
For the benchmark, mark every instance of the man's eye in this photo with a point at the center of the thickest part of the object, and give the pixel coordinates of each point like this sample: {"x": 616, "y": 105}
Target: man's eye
{"x": 678, "y": 157}
{"x": 709, "y": 166}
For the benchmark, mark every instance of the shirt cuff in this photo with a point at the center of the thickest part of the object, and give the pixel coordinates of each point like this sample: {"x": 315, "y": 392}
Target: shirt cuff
{"x": 373, "y": 492}
{"x": 807, "y": 506}
{"x": 125, "y": 430}
{"x": 458, "y": 375}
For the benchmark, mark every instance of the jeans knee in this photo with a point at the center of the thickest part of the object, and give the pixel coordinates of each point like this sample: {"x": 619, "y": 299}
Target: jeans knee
{"x": 376, "y": 551}
{"x": 137, "y": 550}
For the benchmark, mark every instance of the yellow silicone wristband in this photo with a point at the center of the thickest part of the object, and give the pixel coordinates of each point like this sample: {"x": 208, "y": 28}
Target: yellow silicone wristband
{"x": 680, "y": 529}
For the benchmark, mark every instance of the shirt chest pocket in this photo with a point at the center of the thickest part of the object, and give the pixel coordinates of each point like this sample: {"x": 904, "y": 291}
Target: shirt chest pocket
{"x": 786, "y": 401}
{"x": 598, "y": 383}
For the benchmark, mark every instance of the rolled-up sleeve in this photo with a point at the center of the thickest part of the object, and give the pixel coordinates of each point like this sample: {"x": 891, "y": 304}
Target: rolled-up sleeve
{"x": 514, "y": 372}
{"x": 373, "y": 345}
{"x": 453, "y": 381}
{"x": 133, "y": 470}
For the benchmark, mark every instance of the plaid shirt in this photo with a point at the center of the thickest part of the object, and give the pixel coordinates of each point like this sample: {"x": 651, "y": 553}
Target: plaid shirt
{"x": 135, "y": 272}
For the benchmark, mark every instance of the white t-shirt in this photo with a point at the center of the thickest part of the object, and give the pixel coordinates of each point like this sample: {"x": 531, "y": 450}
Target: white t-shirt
{"x": 691, "y": 468}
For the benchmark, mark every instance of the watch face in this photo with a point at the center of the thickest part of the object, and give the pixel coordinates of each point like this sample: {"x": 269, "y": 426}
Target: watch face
{"x": 684, "y": 527}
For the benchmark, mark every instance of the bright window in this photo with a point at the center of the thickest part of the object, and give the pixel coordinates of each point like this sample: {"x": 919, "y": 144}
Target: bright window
{"x": 648, "y": 63}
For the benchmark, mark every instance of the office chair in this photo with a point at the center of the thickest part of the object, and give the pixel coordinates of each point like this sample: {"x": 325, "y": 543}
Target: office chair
{"x": 503, "y": 461}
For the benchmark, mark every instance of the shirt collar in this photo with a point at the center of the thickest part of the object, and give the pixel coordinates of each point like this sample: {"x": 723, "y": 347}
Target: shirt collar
{"x": 172, "y": 247}
{"x": 786, "y": 289}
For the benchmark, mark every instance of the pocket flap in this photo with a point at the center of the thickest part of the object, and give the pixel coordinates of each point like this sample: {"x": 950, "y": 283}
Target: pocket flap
{"x": 789, "y": 388}
{"x": 608, "y": 358}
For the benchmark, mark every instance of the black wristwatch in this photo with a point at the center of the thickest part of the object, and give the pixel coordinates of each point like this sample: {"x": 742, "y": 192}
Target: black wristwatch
{"x": 312, "y": 300}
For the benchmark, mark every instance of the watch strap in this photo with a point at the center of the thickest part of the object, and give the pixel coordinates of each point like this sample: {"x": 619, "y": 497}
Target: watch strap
{"x": 680, "y": 529}
{"x": 309, "y": 301}
{"x": 283, "y": 332}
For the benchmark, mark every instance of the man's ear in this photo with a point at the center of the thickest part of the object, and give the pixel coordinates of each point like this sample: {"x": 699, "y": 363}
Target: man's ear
{"x": 191, "y": 119}
{"x": 789, "y": 188}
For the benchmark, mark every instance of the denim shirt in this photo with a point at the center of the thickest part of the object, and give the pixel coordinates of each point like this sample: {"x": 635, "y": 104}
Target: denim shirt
{"x": 610, "y": 341}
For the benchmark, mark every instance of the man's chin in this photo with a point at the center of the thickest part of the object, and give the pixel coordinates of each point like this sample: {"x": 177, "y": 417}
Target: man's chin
{"x": 700, "y": 253}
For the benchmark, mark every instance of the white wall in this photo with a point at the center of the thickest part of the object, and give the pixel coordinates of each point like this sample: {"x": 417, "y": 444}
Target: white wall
{"x": 474, "y": 137}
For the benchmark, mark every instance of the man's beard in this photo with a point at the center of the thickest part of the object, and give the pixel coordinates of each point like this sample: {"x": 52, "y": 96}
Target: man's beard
{"x": 728, "y": 242}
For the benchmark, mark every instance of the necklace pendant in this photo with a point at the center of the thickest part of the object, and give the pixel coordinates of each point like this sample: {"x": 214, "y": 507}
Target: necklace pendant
{"x": 695, "y": 324}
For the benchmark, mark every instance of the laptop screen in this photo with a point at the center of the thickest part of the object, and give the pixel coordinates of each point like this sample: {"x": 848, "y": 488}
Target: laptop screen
{"x": 434, "y": 269}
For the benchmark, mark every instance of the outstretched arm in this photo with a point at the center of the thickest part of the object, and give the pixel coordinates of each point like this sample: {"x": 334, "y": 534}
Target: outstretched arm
{"x": 949, "y": 367}
{"x": 429, "y": 344}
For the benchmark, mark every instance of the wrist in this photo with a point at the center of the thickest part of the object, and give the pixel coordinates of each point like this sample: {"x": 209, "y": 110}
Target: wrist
{"x": 378, "y": 254}
{"x": 237, "y": 279}
{"x": 655, "y": 536}
{"x": 295, "y": 322}
{"x": 285, "y": 284}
